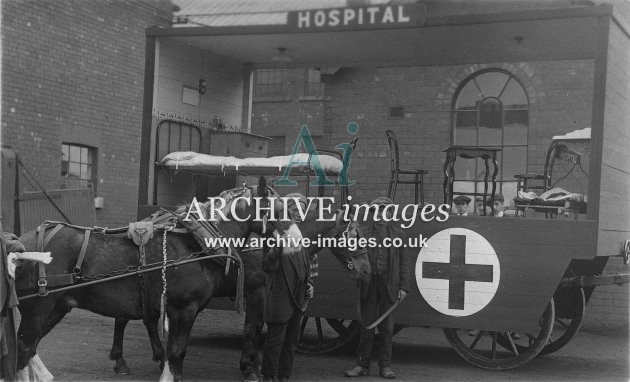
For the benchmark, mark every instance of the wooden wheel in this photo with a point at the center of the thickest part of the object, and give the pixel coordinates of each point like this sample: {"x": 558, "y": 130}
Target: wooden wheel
{"x": 502, "y": 350}
{"x": 570, "y": 306}
{"x": 322, "y": 335}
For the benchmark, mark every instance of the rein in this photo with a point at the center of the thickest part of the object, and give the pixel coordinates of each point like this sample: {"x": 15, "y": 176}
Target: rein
{"x": 302, "y": 309}
{"x": 379, "y": 319}
{"x": 131, "y": 271}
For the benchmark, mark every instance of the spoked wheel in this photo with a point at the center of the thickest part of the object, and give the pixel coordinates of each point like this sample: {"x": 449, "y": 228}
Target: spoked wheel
{"x": 570, "y": 307}
{"x": 322, "y": 335}
{"x": 501, "y": 350}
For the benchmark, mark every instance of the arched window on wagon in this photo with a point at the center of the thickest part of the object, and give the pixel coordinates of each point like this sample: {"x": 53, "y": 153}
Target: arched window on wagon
{"x": 491, "y": 109}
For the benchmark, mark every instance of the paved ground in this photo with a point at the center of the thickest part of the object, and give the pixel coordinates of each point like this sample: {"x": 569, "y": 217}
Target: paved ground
{"x": 77, "y": 350}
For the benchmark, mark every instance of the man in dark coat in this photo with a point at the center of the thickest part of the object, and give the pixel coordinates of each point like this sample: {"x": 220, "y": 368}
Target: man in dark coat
{"x": 8, "y": 301}
{"x": 389, "y": 283}
{"x": 287, "y": 288}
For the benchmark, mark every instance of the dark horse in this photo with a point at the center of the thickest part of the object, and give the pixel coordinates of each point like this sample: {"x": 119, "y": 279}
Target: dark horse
{"x": 355, "y": 261}
{"x": 190, "y": 286}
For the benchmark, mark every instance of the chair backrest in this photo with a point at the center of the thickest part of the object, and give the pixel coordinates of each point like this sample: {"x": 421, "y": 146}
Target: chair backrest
{"x": 393, "y": 146}
{"x": 353, "y": 143}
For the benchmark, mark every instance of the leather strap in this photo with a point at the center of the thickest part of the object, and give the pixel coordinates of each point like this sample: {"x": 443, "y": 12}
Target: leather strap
{"x": 144, "y": 277}
{"x": 77, "y": 267}
{"x": 41, "y": 282}
{"x": 54, "y": 231}
{"x": 381, "y": 318}
{"x": 41, "y": 231}
{"x": 301, "y": 309}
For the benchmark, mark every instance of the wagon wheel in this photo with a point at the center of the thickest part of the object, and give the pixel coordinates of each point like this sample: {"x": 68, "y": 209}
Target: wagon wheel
{"x": 502, "y": 350}
{"x": 570, "y": 307}
{"x": 322, "y": 335}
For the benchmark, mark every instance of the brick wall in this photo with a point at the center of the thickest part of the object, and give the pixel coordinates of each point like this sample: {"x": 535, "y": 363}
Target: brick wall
{"x": 73, "y": 72}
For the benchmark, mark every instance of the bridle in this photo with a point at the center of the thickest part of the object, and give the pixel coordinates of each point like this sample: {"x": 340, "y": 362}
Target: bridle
{"x": 237, "y": 192}
{"x": 345, "y": 233}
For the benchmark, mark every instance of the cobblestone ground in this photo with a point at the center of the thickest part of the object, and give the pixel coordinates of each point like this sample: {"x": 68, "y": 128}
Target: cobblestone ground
{"x": 77, "y": 350}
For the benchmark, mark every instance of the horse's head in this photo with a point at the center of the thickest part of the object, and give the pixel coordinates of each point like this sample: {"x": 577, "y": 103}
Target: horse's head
{"x": 259, "y": 210}
{"x": 330, "y": 227}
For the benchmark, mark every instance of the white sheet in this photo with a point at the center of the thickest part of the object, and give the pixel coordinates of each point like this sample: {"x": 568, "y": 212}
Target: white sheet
{"x": 575, "y": 134}
{"x": 188, "y": 160}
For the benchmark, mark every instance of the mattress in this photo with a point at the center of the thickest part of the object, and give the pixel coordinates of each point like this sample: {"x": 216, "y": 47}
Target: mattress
{"x": 302, "y": 164}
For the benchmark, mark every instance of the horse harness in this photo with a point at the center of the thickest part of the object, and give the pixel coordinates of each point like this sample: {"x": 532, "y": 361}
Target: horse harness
{"x": 140, "y": 232}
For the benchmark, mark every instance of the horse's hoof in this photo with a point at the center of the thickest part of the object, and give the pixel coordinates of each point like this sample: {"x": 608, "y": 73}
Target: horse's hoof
{"x": 121, "y": 368}
{"x": 250, "y": 377}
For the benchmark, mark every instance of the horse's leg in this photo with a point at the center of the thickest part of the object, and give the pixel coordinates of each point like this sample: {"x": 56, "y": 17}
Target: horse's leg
{"x": 251, "y": 329}
{"x": 40, "y": 372}
{"x": 116, "y": 353}
{"x": 156, "y": 346}
{"x": 181, "y": 320}
{"x": 34, "y": 326}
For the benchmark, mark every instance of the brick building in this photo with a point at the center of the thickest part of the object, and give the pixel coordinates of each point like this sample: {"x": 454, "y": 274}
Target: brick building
{"x": 73, "y": 74}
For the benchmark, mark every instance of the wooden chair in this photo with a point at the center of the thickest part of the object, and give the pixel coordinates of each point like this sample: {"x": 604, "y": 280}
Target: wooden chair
{"x": 525, "y": 182}
{"x": 415, "y": 176}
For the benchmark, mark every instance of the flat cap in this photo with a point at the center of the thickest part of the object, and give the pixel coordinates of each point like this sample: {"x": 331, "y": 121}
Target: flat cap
{"x": 462, "y": 199}
{"x": 497, "y": 197}
{"x": 381, "y": 200}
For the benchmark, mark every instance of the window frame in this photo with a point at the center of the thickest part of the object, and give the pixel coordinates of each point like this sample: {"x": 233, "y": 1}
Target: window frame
{"x": 312, "y": 88}
{"x": 91, "y": 163}
{"x": 275, "y": 79}
{"x": 503, "y": 177}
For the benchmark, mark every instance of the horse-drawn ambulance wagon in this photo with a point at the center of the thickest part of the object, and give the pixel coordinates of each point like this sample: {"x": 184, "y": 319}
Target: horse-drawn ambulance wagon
{"x": 484, "y": 100}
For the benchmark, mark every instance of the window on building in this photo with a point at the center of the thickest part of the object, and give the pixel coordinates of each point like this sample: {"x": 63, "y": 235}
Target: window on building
{"x": 78, "y": 166}
{"x": 271, "y": 83}
{"x": 491, "y": 109}
{"x": 313, "y": 85}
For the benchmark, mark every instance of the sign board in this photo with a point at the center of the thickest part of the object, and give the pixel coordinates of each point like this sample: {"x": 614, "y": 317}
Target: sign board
{"x": 190, "y": 96}
{"x": 458, "y": 272}
{"x": 368, "y": 17}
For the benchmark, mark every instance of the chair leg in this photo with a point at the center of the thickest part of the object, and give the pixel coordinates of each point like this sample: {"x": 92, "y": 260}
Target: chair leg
{"x": 391, "y": 183}
{"x": 416, "y": 189}
{"x": 422, "y": 189}
{"x": 394, "y": 190}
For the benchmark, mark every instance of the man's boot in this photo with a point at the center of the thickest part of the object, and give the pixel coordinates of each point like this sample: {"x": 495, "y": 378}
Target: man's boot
{"x": 357, "y": 371}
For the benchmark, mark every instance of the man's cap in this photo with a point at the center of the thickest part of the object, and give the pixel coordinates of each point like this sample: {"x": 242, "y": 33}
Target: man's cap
{"x": 381, "y": 200}
{"x": 461, "y": 199}
{"x": 498, "y": 198}
{"x": 292, "y": 205}
{"x": 296, "y": 195}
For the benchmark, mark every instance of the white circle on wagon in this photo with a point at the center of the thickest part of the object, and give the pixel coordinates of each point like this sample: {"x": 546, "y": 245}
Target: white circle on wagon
{"x": 458, "y": 272}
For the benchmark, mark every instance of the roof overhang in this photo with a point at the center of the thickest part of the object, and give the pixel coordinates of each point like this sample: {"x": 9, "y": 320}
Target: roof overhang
{"x": 556, "y": 34}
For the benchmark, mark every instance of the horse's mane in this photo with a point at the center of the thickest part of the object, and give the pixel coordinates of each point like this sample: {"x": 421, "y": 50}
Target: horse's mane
{"x": 311, "y": 209}
{"x": 227, "y": 195}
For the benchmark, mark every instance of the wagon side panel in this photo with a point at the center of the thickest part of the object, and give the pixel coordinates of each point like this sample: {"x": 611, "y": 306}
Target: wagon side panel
{"x": 533, "y": 255}
{"x": 614, "y": 211}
